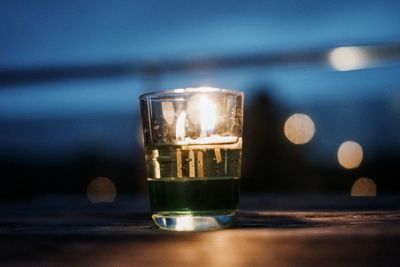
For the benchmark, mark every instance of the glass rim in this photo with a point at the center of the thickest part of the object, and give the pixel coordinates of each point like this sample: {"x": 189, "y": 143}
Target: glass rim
{"x": 179, "y": 92}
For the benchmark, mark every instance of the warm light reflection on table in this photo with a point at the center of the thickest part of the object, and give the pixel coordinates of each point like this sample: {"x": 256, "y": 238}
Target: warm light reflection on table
{"x": 114, "y": 235}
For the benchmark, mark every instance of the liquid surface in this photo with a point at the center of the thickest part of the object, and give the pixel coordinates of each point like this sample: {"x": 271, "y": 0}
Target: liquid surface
{"x": 172, "y": 161}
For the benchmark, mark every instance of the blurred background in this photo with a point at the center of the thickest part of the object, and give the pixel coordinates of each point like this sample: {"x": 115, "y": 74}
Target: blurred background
{"x": 321, "y": 78}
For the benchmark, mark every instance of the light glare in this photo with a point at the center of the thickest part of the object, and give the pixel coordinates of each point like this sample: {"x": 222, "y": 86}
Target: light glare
{"x": 347, "y": 58}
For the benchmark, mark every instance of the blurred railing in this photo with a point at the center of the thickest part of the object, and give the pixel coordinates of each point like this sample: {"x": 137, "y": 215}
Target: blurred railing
{"x": 340, "y": 58}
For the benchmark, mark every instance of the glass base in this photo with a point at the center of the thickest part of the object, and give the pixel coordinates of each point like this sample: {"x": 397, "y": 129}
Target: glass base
{"x": 193, "y": 222}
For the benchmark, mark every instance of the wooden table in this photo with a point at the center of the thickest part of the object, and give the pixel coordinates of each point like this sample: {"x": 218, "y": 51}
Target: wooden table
{"x": 271, "y": 230}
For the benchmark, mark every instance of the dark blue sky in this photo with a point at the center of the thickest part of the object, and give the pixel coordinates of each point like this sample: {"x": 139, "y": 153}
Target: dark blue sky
{"x": 57, "y": 32}
{"x": 49, "y": 33}
{"x": 53, "y": 33}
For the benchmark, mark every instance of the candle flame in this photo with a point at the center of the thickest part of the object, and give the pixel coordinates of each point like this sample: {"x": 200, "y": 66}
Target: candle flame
{"x": 180, "y": 127}
{"x": 208, "y": 115}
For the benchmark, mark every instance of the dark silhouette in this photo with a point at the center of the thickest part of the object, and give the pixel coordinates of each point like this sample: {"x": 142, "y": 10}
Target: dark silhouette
{"x": 270, "y": 162}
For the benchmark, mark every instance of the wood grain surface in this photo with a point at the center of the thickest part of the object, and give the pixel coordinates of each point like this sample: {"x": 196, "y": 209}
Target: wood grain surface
{"x": 56, "y": 231}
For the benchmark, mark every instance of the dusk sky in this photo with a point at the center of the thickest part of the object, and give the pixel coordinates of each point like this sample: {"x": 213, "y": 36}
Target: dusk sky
{"x": 47, "y": 34}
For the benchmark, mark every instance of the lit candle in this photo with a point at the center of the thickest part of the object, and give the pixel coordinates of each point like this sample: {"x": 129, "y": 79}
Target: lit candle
{"x": 207, "y": 115}
{"x": 208, "y": 119}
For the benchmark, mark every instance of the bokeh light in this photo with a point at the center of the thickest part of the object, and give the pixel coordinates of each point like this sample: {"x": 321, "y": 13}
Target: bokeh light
{"x": 348, "y": 58}
{"x": 101, "y": 190}
{"x": 363, "y": 187}
{"x": 299, "y": 129}
{"x": 350, "y": 154}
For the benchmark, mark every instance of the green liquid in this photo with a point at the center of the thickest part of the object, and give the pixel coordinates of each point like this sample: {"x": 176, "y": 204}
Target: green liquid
{"x": 193, "y": 195}
{"x": 201, "y": 181}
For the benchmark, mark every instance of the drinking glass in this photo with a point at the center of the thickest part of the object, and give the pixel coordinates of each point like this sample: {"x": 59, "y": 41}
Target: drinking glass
{"x": 193, "y": 152}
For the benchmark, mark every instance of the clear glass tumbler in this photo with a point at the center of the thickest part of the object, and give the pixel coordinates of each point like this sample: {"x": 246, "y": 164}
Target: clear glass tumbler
{"x": 193, "y": 152}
